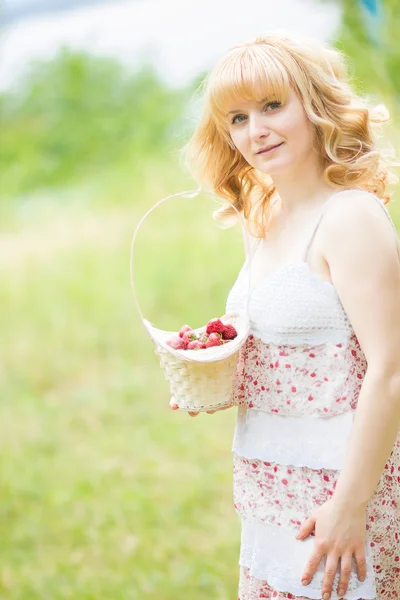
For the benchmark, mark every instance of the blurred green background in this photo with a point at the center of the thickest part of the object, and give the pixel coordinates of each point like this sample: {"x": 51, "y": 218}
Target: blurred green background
{"x": 105, "y": 492}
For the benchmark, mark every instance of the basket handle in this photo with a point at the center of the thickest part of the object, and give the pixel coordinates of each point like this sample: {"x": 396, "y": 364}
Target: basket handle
{"x": 187, "y": 194}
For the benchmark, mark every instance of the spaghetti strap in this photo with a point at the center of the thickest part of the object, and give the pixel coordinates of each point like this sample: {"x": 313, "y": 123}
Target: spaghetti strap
{"x": 385, "y": 210}
{"x": 252, "y": 249}
{"x": 321, "y": 214}
{"x": 349, "y": 192}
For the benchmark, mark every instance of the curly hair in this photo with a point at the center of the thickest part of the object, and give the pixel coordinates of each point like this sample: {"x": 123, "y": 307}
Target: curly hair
{"x": 344, "y": 123}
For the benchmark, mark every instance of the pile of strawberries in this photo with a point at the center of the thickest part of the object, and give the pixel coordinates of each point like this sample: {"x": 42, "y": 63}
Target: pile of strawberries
{"x": 215, "y": 334}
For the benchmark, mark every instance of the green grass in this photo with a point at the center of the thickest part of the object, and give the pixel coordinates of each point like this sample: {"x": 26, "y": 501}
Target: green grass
{"x": 105, "y": 492}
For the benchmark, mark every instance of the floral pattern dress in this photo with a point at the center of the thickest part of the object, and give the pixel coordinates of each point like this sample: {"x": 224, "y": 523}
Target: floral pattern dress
{"x": 297, "y": 383}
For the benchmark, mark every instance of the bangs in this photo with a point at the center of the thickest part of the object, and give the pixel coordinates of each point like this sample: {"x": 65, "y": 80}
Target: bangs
{"x": 246, "y": 74}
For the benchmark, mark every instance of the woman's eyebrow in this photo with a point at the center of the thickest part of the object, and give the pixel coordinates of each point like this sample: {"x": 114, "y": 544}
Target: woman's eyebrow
{"x": 238, "y": 110}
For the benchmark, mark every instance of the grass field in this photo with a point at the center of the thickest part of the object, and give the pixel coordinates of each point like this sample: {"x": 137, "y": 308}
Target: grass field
{"x": 105, "y": 492}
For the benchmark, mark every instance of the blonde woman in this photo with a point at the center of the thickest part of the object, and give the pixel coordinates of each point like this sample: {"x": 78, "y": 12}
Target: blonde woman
{"x": 285, "y": 140}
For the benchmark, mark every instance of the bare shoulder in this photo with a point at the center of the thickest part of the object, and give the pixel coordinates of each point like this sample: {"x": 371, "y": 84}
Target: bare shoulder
{"x": 355, "y": 222}
{"x": 361, "y": 249}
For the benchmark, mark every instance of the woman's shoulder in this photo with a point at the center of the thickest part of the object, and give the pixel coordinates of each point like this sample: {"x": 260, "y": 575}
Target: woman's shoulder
{"x": 356, "y": 211}
{"x": 356, "y": 221}
{"x": 356, "y": 200}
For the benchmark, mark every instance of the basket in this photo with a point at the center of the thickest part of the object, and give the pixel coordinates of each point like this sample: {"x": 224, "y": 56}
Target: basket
{"x": 199, "y": 380}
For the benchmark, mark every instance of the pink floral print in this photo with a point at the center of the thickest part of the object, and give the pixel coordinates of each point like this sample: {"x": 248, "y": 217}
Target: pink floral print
{"x": 323, "y": 380}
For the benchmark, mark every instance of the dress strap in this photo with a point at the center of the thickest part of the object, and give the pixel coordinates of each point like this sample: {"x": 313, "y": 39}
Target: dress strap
{"x": 256, "y": 243}
{"x": 252, "y": 249}
{"x": 321, "y": 214}
{"x": 347, "y": 192}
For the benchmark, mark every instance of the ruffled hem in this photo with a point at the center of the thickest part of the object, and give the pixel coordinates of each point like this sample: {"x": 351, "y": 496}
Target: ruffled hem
{"x": 299, "y": 441}
{"x": 274, "y": 555}
{"x": 251, "y": 588}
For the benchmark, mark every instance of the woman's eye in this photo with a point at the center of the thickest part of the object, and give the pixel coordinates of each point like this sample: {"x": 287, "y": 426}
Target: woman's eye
{"x": 234, "y": 120}
{"x": 274, "y": 105}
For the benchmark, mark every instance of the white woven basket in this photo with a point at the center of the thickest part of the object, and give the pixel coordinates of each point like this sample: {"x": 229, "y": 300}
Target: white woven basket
{"x": 199, "y": 380}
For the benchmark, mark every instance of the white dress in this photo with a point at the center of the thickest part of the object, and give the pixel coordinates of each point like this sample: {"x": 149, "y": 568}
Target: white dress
{"x": 296, "y": 386}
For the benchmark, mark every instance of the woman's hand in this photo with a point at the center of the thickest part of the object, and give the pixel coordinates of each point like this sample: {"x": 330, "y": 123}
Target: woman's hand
{"x": 174, "y": 406}
{"x": 340, "y": 532}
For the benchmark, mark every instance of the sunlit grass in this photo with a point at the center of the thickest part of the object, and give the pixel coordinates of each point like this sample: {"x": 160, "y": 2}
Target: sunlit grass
{"x": 105, "y": 492}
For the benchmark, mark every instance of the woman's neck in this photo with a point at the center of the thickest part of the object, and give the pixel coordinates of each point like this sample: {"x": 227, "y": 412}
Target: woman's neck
{"x": 302, "y": 189}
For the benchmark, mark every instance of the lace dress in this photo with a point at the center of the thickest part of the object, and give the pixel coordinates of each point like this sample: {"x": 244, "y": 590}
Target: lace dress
{"x": 296, "y": 385}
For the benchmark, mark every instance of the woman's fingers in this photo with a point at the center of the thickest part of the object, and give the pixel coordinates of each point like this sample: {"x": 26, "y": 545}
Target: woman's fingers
{"x": 306, "y": 528}
{"x": 361, "y": 563}
{"x": 329, "y": 575}
{"x": 345, "y": 572}
{"x": 312, "y": 563}
{"x": 173, "y": 404}
{"x": 211, "y": 412}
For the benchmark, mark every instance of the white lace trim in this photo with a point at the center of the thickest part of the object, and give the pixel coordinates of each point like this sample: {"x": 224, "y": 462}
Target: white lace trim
{"x": 293, "y": 306}
{"x": 274, "y": 555}
{"x": 301, "y": 337}
{"x": 299, "y": 441}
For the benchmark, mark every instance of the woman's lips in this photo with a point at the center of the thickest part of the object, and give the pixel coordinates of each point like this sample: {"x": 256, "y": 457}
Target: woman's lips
{"x": 270, "y": 150}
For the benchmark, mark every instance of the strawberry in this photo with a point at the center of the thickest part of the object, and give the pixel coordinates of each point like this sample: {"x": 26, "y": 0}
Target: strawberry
{"x": 214, "y": 340}
{"x": 176, "y": 343}
{"x": 203, "y": 338}
{"x": 183, "y": 329}
{"x": 195, "y": 345}
{"x": 215, "y": 326}
{"x": 189, "y": 336}
{"x": 229, "y": 332}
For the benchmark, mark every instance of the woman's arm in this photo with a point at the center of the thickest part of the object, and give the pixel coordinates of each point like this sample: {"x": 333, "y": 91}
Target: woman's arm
{"x": 359, "y": 246}
{"x": 374, "y": 433}
{"x": 360, "y": 249}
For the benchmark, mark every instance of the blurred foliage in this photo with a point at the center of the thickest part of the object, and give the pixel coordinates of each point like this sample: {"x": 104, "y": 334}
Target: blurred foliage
{"x": 374, "y": 55}
{"x": 78, "y": 112}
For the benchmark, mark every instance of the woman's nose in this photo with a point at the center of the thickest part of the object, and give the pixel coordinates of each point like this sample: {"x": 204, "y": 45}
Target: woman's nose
{"x": 257, "y": 128}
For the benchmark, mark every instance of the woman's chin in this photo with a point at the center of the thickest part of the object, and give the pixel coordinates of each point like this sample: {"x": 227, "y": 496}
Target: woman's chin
{"x": 273, "y": 168}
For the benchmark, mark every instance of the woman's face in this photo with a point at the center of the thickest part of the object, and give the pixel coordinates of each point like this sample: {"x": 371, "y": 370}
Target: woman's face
{"x": 255, "y": 126}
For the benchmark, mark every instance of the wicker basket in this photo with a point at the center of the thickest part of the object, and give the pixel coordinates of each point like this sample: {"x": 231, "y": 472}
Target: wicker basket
{"x": 199, "y": 380}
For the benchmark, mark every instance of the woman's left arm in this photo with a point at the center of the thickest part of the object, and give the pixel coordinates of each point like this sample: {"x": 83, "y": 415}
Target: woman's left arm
{"x": 360, "y": 248}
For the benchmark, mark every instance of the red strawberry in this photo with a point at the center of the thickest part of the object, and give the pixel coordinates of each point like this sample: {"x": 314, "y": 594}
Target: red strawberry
{"x": 229, "y": 332}
{"x": 214, "y": 340}
{"x": 176, "y": 343}
{"x": 189, "y": 336}
{"x": 215, "y": 326}
{"x": 195, "y": 345}
{"x": 183, "y": 329}
{"x": 203, "y": 339}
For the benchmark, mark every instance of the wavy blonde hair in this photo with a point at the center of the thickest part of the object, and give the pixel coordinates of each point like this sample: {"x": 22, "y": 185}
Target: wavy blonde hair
{"x": 267, "y": 67}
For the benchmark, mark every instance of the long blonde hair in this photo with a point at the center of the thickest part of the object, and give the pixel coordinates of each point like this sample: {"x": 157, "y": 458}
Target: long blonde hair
{"x": 267, "y": 67}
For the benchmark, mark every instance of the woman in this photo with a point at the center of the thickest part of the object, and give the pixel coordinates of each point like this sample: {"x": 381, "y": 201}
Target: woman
{"x": 316, "y": 450}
